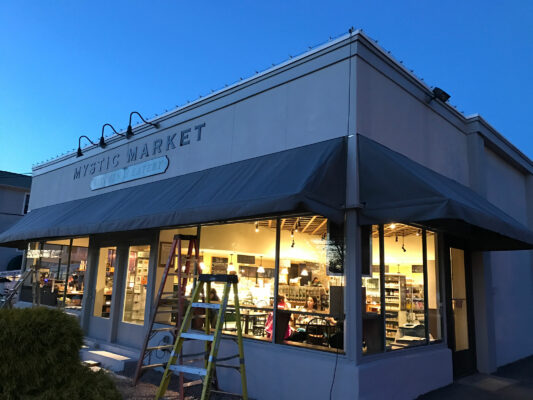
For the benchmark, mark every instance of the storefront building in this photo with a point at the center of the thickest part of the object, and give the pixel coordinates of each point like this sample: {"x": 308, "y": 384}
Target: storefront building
{"x": 393, "y": 231}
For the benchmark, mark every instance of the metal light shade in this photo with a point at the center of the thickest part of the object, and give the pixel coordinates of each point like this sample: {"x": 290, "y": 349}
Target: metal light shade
{"x": 304, "y": 272}
{"x": 80, "y": 153}
{"x": 261, "y": 270}
{"x": 102, "y": 142}
{"x": 129, "y": 132}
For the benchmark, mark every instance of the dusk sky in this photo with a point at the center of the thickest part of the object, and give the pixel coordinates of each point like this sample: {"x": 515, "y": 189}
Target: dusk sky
{"x": 68, "y": 67}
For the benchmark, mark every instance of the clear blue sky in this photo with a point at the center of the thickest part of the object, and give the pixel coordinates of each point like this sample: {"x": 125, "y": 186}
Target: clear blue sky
{"x": 67, "y": 67}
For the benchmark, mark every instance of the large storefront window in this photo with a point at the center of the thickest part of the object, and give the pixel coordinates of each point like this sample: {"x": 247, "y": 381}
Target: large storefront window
{"x": 310, "y": 295}
{"x": 136, "y": 285}
{"x": 61, "y": 267}
{"x": 104, "y": 281}
{"x": 311, "y": 283}
{"x": 403, "y": 276}
{"x": 248, "y": 250}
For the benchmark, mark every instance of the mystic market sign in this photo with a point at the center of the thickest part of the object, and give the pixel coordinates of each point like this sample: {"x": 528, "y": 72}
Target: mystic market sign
{"x": 133, "y": 169}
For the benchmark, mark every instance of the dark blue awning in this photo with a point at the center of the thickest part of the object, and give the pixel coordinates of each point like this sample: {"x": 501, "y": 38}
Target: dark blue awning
{"x": 305, "y": 179}
{"x": 394, "y": 188}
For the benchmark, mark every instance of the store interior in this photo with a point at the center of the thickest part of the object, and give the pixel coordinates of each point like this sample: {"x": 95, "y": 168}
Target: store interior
{"x": 404, "y": 316}
{"x": 310, "y": 292}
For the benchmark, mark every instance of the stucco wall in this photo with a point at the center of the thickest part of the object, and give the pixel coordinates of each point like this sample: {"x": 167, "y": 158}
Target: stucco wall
{"x": 304, "y": 110}
{"x": 391, "y": 116}
{"x": 512, "y": 273}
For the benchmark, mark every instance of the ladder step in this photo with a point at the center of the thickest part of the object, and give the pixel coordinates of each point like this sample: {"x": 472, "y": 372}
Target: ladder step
{"x": 169, "y": 329}
{"x": 153, "y": 366}
{"x": 188, "y": 369}
{"x": 166, "y": 311}
{"x": 215, "y": 306}
{"x": 197, "y": 336}
{"x": 168, "y": 300}
{"x": 166, "y": 346}
{"x": 193, "y": 383}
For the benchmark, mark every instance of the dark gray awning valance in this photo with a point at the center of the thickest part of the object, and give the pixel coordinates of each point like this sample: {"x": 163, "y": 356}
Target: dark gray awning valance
{"x": 310, "y": 178}
{"x": 395, "y": 188}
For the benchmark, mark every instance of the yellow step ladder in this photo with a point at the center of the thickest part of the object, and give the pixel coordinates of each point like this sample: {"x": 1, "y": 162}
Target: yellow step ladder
{"x": 212, "y": 339}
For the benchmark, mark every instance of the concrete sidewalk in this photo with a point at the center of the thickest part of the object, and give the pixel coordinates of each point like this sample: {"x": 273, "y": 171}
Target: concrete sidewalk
{"x": 512, "y": 381}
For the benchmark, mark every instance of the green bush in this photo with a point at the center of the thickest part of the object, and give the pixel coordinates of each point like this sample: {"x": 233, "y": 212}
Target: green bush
{"x": 39, "y": 358}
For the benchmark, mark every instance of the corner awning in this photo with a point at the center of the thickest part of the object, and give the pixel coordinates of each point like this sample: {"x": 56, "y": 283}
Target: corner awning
{"x": 394, "y": 188}
{"x": 306, "y": 179}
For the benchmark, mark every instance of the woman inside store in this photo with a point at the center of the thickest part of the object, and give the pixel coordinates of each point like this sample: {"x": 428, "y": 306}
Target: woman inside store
{"x": 283, "y": 305}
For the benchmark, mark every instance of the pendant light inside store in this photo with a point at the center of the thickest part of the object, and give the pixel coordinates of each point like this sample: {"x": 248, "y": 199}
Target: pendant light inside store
{"x": 231, "y": 267}
{"x": 260, "y": 269}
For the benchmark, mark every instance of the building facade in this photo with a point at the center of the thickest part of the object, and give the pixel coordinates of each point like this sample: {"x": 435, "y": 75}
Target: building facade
{"x": 14, "y": 202}
{"x": 391, "y": 229}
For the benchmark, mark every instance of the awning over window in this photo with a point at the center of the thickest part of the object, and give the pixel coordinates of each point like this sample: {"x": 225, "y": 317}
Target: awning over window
{"x": 306, "y": 179}
{"x": 394, "y": 188}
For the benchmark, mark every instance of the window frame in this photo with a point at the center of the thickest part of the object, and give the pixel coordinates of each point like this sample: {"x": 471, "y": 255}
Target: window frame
{"x": 364, "y": 258}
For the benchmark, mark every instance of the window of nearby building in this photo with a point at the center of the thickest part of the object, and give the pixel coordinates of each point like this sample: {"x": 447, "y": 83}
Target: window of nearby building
{"x": 306, "y": 277}
{"x": 402, "y": 304}
{"x": 26, "y": 203}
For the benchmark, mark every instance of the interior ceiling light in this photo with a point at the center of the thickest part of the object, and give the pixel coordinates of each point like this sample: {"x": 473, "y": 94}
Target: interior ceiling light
{"x": 80, "y": 153}
{"x": 304, "y": 272}
{"x": 261, "y": 270}
{"x": 231, "y": 267}
{"x": 256, "y": 226}
{"x": 392, "y": 226}
{"x": 202, "y": 264}
{"x": 285, "y": 271}
{"x": 129, "y": 131}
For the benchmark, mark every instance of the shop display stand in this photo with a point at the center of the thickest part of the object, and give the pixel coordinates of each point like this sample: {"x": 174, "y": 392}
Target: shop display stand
{"x": 395, "y": 301}
{"x": 165, "y": 299}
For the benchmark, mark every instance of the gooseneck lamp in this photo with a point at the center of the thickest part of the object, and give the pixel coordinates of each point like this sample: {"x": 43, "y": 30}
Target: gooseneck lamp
{"x": 102, "y": 142}
{"x": 80, "y": 153}
{"x": 129, "y": 132}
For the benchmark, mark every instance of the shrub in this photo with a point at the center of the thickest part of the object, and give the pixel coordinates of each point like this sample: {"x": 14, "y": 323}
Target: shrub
{"x": 39, "y": 358}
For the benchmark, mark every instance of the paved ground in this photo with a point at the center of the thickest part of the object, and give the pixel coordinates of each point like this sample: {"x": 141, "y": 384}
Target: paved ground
{"x": 513, "y": 381}
{"x": 147, "y": 388}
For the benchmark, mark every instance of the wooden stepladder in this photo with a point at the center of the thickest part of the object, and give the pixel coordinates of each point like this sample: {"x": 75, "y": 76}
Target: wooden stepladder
{"x": 169, "y": 302}
{"x": 210, "y": 337}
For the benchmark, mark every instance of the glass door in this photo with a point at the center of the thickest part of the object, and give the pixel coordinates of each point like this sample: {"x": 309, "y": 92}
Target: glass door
{"x": 461, "y": 329}
{"x": 130, "y": 327}
{"x": 100, "y": 326}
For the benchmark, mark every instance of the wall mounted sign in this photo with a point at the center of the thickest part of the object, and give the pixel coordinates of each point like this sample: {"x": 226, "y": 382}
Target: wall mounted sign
{"x": 125, "y": 156}
{"x": 43, "y": 253}
{"x": 137, "y": 171}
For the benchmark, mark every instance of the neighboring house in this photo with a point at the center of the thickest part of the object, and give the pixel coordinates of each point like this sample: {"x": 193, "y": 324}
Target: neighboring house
{"x": 14, "y": 201}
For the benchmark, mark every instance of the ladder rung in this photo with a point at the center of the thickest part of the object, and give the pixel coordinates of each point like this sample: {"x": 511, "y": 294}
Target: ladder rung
{"x": 215, "y": 306}
{"x": 193, "y": 383}
{"x": 188, "y": 369}
{"x": 166, "y": 346}
{"x": 169, "y": 300}
{"x": 197, "y": 336}
{"x": 169, "y": 329}
{"x": 153, "y": 366}
{"x": 166, "y": 311}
